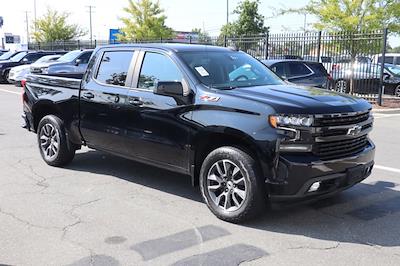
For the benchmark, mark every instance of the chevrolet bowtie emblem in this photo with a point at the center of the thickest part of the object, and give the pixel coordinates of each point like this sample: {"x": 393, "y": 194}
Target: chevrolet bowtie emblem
{"x": 353, "y": 131}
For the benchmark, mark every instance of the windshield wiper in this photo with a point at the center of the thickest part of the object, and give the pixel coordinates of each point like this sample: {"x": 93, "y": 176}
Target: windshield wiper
{"x": 225, "y": 87}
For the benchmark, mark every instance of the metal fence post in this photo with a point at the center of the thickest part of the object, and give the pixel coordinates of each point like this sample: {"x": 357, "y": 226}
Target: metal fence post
{"x": 319, "y": 45}
{"x": 190, "y": 39}
{"x": 95, "y": 43}
{"x": 225, "y": 41}
{"x": 266, "y": 45}
{"x": 79, "y": 45}
{"x": 384, "y": 46}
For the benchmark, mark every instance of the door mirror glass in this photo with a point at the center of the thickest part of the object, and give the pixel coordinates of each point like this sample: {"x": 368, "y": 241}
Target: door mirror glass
{"x": 169, "y": 88}
{"x": 77, "y": 62}
{"x": 25, "y": 60}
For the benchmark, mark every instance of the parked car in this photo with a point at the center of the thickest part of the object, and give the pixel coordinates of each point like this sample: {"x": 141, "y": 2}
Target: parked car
{"x": 390, "y": 58}
{"x": 71, "y": 63}
{"x": 286, "y": 56}
{"x": 9, "y": 54}
{"x": 304, "y": 73}
{"x": 244, "y": 138}
{"x": 18, "y": 73}
{"x": 21, "y": 58}
{"x": 2, "y": 51}
{"x": 366, "y": 79}
{"x": 391, "y": 79}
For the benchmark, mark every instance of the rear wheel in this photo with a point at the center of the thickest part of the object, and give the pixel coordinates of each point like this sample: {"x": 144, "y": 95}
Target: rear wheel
{"x": 53, "y": 143}
{"x": 341, "y": 86}
{"x": 397, "y": 91}
{"x": 231, "y": 185}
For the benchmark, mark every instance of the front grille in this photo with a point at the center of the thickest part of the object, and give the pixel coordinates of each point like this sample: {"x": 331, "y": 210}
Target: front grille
{"x": 36, "y": 70}
{"x": 341, "y": 119}
{"x": 340, "y": 148}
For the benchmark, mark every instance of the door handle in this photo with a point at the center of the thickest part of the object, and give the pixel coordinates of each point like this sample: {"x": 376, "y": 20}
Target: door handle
{"x": 135, "y": 101}
{"x": 88, "y": 95}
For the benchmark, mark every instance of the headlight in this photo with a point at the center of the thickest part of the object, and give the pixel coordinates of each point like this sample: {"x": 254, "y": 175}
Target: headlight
{"x": 45, "y": 70}
{"x": 1, "y": 65}
{"x": 290, "y": 120}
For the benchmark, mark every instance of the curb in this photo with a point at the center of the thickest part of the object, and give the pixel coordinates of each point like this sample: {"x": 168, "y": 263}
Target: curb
{"x": 386, "y": 110}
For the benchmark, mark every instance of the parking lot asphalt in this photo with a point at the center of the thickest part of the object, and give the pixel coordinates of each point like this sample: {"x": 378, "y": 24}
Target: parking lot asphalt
{"x": 105, "y": 210}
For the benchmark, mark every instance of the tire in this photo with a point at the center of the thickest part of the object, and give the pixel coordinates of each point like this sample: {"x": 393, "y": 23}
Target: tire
{"x": 341, "y": 86}
{"x": 397, "y": 91}
{"x": 53, "y": 142}
{"x": 231, "y": 173}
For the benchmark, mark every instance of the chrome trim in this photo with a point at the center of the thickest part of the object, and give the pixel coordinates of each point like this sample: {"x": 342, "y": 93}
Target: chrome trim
{"x": 297, "y": 132}
{"x": 333, "y": 115}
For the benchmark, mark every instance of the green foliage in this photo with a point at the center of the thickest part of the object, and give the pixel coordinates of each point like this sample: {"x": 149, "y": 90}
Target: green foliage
{"x": 53, "y": 26}
{"x": 145, "y": 21}
{"x": 250, "y": 21}
{"x": 394, "y": 50}
{"x": 352, "y": 15}
{"x": 203, "y": 36}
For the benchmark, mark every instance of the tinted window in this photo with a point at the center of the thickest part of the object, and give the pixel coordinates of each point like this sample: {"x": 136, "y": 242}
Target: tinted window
{"x": 279, "y": 69}
{"x": 85, "y": 57}
{"x": 18, "y": 57}
{"x": 318, "y": 69}
{"x": 157, "y": 67}
{"x": 114, "y": 67}
{"x": 298, "y": 69}
{"x": 68, "y": 57}
{"x": 33, "y": 57}
{"x": 388, "y": 59}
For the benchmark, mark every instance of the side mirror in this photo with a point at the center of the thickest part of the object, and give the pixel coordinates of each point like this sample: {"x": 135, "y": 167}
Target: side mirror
{"x": 169, "y": 88}
{"x": 25, "y": 60}
{"x": 386, "y": 76}
{"x": 78, "y": 61}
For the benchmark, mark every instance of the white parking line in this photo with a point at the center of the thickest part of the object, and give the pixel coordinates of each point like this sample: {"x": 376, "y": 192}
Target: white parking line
{"x": 13, "y": 92}
{"x": 389, "y": 169}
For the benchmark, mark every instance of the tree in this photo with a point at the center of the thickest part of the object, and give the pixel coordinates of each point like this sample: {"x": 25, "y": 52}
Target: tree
{"x": 250, "y": 21}
{"x": 53, "y": 26}
{"x": 352, "y": 15}
{"x": 146, "y": 21}
{"x": 203, "y": 36}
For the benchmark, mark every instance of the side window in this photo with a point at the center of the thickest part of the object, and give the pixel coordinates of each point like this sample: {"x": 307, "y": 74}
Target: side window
{"x": 389, "y": 59}
{"x": 33, "y": 57}
{"x": 298, "y": 69}
{"x": 157, "y": 67}
{"x": 85, "y": 57}
{"x": 114, "y": 67}
{"x": 279, "y": 69}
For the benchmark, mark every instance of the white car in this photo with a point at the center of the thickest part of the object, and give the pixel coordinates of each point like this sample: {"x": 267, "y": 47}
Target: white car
{"x": 19, "y": 73}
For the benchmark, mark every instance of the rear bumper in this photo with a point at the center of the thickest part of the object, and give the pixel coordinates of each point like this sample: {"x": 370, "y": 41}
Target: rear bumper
{"x": 301, "y": 172}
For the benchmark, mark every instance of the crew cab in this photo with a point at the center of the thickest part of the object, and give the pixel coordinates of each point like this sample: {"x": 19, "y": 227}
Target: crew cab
{"x": 216, "y": 114}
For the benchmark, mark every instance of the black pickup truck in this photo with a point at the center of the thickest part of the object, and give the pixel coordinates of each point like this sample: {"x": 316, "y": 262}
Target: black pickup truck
{"x": 216, "y": 114}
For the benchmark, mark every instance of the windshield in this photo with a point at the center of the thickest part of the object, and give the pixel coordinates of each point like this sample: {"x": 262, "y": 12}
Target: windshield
{"x": 47, "y": 58}
{"x": 394, "y": 69}
{"x": 69, "y": 57}
{"x": 228, "y": 70}
{"x": 18, "y": 57}
{"x": 6, "y": 55}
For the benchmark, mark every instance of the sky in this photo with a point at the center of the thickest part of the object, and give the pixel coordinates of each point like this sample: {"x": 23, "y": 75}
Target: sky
{"x": 182, "y": 15}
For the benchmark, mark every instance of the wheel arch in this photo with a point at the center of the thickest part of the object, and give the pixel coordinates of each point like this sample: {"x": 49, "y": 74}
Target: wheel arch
{"x": 214, "y": 137}
{"x": 43, "y": 108}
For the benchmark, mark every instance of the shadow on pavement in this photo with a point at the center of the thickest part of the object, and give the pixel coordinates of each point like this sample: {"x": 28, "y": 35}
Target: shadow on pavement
{"x": 365, "y": 214}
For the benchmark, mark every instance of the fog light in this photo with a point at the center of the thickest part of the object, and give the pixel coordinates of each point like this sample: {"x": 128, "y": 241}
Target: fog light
{"x": 314, "y": 187}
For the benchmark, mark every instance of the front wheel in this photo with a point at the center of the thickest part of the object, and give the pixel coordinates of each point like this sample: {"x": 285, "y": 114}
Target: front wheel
{"x": 231, "y": 185}
{"x": 53, "y": 142}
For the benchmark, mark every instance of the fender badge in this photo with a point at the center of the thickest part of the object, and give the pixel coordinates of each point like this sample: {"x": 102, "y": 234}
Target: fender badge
{"x": 208, "y": 98}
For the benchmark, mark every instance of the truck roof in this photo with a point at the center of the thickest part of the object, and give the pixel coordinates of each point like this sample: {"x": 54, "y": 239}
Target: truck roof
{"x": 174, "y": 47}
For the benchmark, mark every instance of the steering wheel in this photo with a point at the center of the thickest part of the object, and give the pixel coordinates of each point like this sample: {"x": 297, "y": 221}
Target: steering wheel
{"x": 241, "y": 77}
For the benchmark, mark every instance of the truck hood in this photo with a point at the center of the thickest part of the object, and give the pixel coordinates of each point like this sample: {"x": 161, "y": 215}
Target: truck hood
{"x": 292, "y": 99}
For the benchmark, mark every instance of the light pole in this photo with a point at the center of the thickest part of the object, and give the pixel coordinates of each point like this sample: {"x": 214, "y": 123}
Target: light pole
{"x": 90, "y": 24}
{"x": 227, "y": 12}
{"x": 34, "y": 12}
{"x": 27, "y": 27}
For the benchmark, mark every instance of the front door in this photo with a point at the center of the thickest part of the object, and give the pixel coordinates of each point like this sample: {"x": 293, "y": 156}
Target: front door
{"x": 157, "y": 126}
{"x": 103, "y": 110}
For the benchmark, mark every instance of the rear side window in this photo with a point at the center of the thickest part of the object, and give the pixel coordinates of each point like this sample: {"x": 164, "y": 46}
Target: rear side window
{"x": 85, "y": 57}
{"x": 298, "y": 69}
{"x": 157, "y": 67}
{"x": 114, "y": 67}
{"x": 279, "y": 69}
{"x": 318, "y": 69}
{"x": 388, "y": 59}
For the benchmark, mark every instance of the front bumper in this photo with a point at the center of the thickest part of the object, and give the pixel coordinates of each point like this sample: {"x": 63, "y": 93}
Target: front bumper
{"x": 298, "y": 173}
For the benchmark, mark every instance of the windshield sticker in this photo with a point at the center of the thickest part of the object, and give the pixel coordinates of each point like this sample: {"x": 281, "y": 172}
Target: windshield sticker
{"x": 201, "y": 70}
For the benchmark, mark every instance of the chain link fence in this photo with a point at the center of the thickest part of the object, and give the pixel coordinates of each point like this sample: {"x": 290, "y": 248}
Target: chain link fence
{"x": 354, "y": 60}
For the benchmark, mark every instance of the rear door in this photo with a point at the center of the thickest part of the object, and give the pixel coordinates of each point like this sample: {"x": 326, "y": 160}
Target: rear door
{"x": 103, "y": 112}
